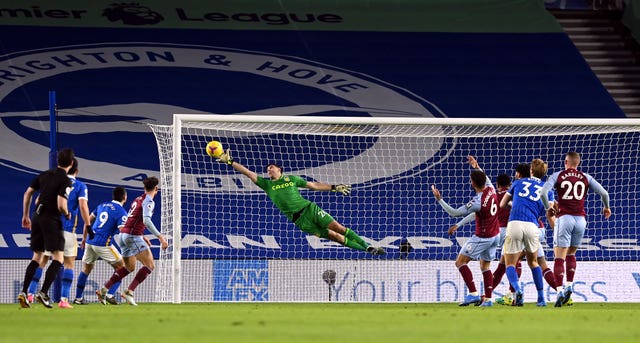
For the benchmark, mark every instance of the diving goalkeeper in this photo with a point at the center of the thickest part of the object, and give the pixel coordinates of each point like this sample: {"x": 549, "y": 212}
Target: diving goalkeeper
{"x": 308, "y": 216}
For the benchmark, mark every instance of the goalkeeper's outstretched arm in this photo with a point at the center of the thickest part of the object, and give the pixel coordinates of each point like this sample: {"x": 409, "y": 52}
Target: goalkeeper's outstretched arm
{"x": 320, "y": 186}
{"x": 226, "y": 158}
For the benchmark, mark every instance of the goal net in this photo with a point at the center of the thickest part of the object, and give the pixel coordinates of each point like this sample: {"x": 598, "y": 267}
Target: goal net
{"x": 228, "y": 241}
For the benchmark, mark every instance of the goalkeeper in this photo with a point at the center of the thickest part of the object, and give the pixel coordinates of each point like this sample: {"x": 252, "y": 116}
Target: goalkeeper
{"x": 308, "y": 216}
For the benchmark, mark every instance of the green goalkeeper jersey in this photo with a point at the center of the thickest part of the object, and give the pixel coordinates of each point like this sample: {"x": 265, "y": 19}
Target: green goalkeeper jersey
{"x": 284, "y": 193}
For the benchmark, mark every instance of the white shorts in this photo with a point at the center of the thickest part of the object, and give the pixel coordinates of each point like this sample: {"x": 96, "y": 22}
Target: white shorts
{"x": 521, "y": 236}
{"x": 70, "y": 245}
{"x": 109, "y": 254}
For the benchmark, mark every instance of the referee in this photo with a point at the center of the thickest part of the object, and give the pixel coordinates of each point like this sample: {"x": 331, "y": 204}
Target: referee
{"x": 46, "y": 224}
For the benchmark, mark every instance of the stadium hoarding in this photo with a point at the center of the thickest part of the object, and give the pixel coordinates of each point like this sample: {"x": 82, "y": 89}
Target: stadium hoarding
{"x": 355, "y": 281}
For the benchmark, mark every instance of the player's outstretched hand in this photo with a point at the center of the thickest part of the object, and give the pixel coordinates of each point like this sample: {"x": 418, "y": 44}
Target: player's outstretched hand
{"x": 452, "y": 229}
{"x": 606, "y": 212}
{"x": 473, "y": 162}
{"x": 436, "y": 192}
{"x": 341, "y": 188}
{"x": 226, "y": 157}
{"x": 163, "y": 242}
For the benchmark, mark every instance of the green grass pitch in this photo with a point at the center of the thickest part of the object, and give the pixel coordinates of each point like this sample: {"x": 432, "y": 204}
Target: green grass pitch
{"x": 322, "y": 322}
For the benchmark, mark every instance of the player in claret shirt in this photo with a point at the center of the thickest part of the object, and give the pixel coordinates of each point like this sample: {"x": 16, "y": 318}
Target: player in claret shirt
{"x": 571, "y": 185}
{"x": 483, "y": 244}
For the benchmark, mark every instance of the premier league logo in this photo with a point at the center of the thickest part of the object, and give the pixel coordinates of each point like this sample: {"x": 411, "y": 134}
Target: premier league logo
{"x": 132, "y": 14}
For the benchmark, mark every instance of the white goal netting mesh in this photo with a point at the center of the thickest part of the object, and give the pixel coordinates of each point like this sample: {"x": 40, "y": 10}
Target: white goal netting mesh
{"x": 232, "y": 244}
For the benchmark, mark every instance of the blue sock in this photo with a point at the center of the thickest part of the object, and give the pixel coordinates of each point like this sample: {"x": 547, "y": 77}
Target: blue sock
{"x": 67, "y": 280}
{"x": 82, "y": 282}
{"x": 512, "y": 275}
{"x": 57, "y": 287}
{"x": 537, "y": 279}
{"x": 33, "y": 286}
{"x": 114, "y": 288}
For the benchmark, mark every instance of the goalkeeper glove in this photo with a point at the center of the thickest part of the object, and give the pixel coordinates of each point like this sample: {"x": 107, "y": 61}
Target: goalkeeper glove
{"x": 341, "y": 188}
{"x": 226, "y": 157}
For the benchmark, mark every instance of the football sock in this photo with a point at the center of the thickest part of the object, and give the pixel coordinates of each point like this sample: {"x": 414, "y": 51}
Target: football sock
{"x": 512, "y": 275}
{"x": 467, "y": 276}
{"x": 537, "y": 279}
{"x": 549, "y": 277}
{"x": 571, "y": 267}
{"x": 353, "y": 244}
{"x": 57, "y": 286}
{"x": 35, "y": 280}
{"x": 487, "y": 278}
{"x": 28, "y": 275}
{"x": 82, "y": 281}
{"x": 519, "y": 271}
{"x": 118, "y": 275}
{"x": 50, "y": 275}
{"x": 113, "y": 289}
{"x": 67, "y": 280}
{"x": 140, "y": 276}
{"x": 498, "y": 274}
{"x": 355, "y": 238}
{"x": 558, "y": 271}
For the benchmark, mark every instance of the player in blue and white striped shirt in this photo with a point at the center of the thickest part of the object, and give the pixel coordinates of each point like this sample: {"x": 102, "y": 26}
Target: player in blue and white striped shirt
{"x": 522, "y": 229}
{"x": 107, "y": 220}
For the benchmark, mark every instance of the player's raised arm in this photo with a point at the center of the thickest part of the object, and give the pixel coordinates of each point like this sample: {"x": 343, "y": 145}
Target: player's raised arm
{"x": 473, "y": 162}
{"x": 454, "y": 212}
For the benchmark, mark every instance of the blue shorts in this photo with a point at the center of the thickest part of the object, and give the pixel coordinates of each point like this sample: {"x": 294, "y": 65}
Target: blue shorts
{"x": 569, "y": 231}
{"x": 132, "y": 245}
{"x": 543, "y": 238}
{"x": 503, "y": 232}
{"x": 481, "y": 248}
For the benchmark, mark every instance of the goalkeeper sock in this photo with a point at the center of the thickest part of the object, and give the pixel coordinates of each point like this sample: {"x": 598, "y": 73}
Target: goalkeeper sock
{"x": 354, "y": 237}
{"x": 353, "y": 244}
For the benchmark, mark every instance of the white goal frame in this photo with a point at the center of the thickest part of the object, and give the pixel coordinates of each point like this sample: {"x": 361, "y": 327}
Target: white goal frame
{"x": 180, "y": 119}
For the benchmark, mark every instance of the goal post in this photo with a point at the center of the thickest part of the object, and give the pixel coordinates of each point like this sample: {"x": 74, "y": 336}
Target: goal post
{"x": 228, "y": 241}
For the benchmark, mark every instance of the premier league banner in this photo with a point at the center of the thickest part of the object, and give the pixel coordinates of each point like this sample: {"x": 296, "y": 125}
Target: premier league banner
{"x": 116, "y": 66}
